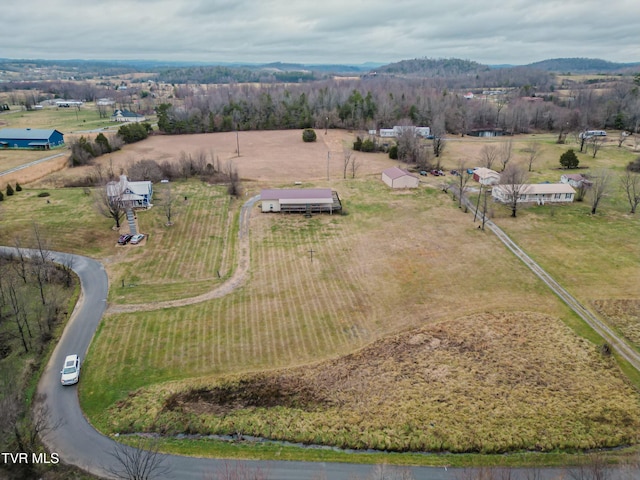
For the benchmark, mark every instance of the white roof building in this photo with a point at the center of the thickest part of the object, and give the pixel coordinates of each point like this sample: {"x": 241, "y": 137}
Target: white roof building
{"x": 539, "y": 193}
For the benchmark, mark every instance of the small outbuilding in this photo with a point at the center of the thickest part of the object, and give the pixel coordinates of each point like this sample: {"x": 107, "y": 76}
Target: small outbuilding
{"x": 32, "y": 138}
{"x": 576, "y": 180}
{"x": 486, "y": 176}
{"x": 300, "y": 200}
{"x": 396, "y": 177}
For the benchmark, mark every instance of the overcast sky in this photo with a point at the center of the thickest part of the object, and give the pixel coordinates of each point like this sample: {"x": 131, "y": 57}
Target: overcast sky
{"x": 321, "y": 31}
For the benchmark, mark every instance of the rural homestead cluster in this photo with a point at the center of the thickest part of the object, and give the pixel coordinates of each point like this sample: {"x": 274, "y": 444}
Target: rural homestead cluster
{"x": 138, "y": 194}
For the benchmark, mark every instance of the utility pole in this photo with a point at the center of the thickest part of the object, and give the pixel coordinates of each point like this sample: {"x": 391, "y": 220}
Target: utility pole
{"x": 475, "y": 214}
{"x": 311, "y": 253}
{"x": 484, "y": 209}
{"x": 328, "y": 157}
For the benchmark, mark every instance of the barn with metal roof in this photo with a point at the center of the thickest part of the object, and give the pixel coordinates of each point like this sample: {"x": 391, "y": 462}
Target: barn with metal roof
{"x": 300, "y": 200}
{"x": 33, "y": 138}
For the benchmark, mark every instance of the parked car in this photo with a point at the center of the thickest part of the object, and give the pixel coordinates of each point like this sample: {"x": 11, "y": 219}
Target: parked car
{"x": 71, "y": 370}
{"x": 423, "y": 172}
{"x": 137, "y": 238}
{"x": 124, "y": 239}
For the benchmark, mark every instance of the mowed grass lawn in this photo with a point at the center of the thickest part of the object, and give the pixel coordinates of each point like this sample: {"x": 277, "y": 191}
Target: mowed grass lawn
{"x": 187, "y": 258}
{"x": 396, "y": 262}
{"x": 66, "y": 220}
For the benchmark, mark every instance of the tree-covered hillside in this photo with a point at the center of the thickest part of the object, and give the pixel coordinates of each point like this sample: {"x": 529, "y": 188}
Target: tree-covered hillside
{"x": 430, "y": 67}
{"x": 582, "y": 65}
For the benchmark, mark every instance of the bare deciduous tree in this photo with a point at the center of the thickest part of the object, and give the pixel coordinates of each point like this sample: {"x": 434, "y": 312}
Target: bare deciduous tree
{"x": 346, "y": 161}
{"x": 533, "y": 151}
{"x": 513, "y": 182}
{"x": 408, "y": 145}
{"x": 463, "y": 180}
{"x": 599, "y": 188}
{"x": 108, "y": 202}
{"x": 596, "y": 144}
{"x": 142, "y": 461}
{"x": 505, "y": 153}
{"x": 488, "y": 155}
{"x": 631, "y": 184}
{"x": 231, "y": 172}
{"x": 355, "y": 166}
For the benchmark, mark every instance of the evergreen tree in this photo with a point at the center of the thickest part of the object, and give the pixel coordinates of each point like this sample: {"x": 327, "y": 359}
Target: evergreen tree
{"x": 18, "y": 187}
{"x": 569, "y": 159}
{"x": 309, "y": 135}
{"x": 9, "y": 190}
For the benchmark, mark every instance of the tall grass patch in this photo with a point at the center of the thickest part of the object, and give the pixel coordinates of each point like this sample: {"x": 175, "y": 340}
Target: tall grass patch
{"x": 486, "y": 383}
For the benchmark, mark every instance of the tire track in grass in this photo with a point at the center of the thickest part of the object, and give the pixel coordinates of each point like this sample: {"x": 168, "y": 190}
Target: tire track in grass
{"x": 303, "y": 318}
{"x": 342, "y": 287}
{"x": 171, "y": 332}
{"x": 266, "y": 256}
{"x": 182, "y": 255}
{"x": 346, "y": 292}
{"x": 217, "y": 345}
{"x": 215, "y": 237}
{"x": 257, "y": 323}
{"x": 323, "y": 318}
{"x": 293, "y": 285}
{"x": 204, "y": 328}
{"x": 221, "y": 245}
{"x": 288, "y": 336}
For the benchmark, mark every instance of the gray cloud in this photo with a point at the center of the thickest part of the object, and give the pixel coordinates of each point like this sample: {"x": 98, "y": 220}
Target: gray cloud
{"x": 328, "y": 31}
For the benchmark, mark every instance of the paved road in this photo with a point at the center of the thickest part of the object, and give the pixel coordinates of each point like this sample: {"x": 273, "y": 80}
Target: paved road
{"x": 31, "y": 164}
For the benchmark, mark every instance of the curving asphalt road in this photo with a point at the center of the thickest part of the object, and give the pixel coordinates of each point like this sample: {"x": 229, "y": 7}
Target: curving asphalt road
{"x": 77, "y": 443}
{"x": 30, "y": 164}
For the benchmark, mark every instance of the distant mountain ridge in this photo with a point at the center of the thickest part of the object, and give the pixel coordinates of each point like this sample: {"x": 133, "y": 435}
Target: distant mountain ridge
{"x": 581, "y": 65}
{"x": 225, "y": 72}
{"x": 452, "y": 67}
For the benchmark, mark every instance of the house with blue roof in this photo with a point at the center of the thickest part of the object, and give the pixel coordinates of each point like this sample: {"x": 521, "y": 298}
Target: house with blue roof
{"x": 32, "y": 138}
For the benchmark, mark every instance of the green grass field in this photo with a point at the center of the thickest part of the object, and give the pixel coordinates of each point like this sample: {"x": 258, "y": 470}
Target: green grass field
{"x": 65, "y": 120}
{"x": 397, "y": 268}
{"x": 192, "y": 256}
{"x": 411, "y": 263}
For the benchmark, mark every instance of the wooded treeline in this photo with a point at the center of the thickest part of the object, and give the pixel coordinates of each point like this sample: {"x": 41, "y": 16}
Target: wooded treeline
{"x": 381, "y": 102}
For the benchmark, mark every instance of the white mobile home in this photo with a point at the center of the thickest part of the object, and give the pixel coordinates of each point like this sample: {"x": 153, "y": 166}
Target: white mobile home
{"x": 539, "y": 193}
